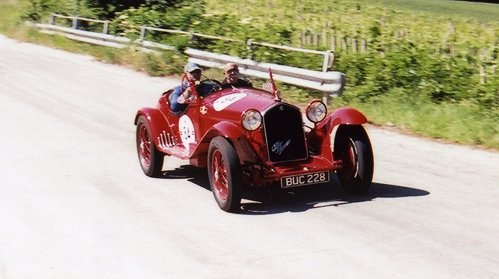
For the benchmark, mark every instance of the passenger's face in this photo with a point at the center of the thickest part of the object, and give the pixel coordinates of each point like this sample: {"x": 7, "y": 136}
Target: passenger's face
{"x": 232, "y": 75}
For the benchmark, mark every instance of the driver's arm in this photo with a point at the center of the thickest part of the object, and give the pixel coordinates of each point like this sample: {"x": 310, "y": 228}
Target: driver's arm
{"x": 185, "y": 97}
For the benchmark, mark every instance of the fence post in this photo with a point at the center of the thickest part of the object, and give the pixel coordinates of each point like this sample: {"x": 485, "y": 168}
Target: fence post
{"x": 363, "y": 46}
{"x": 332, "y": 40}
{"x": 249, "y": 48}
{"x": 327, "y": 64}
{"x": 52, "y": 19}
{"x": 143, "y": 32}
{"x": 75, "y": 23}
{"x": 483, "y": 75}
{"x": 344, "y": 44}
{"x": 106, "y": 27}
{"x": 338, "y": 41}
{"x": 324, "y": 34}
{"x": 191, "y": 38}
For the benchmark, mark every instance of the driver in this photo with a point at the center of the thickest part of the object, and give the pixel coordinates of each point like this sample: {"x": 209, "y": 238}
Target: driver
{"x": 182, "y": 94}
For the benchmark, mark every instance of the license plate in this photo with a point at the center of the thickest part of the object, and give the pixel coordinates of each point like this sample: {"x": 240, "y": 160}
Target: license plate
{"x": 304, "y": 179}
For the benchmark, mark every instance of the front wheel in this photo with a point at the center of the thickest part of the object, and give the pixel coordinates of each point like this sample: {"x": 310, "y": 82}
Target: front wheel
{"x": 150, "y": 158}
{"x": 353, "y": 148}
{"x": 224, "y": 174}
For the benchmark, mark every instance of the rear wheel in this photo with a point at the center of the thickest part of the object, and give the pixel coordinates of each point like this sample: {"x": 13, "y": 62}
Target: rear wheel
{"x": 352, "y": 146}
{"x": 150, "y": 158}
{"x": 225, "y": 174}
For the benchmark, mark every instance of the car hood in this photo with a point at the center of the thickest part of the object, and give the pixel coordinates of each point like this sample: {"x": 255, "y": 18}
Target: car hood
{"x": 234, "y": 101}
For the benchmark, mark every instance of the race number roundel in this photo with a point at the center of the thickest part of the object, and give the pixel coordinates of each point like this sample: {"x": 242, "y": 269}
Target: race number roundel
{"x": 227, "y": 100}
{"x": 186, "y": 129}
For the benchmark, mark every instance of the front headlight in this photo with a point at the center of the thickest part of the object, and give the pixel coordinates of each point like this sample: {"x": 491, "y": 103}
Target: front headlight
{"x": 316, "y": 111}
{"x": 251, "y": 119}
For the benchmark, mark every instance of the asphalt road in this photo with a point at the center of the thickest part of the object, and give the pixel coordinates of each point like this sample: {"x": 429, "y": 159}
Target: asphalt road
{"x": 74, "y": 202}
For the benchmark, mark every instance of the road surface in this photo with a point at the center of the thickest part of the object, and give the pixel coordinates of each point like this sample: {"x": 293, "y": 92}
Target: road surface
{"x": 74, "y": 202}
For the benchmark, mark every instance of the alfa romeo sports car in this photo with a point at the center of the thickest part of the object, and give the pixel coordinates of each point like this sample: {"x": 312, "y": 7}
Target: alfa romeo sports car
{"x": 249, "y": 137}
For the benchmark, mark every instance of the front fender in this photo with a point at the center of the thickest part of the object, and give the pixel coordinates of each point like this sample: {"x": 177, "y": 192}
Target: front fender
{"x": 155, "y": 120}
{"x": 320, "y": 137}
{"x": 235, "y": 135}
{"x": 347, "y": 116}
{"x": 225, "y": 129}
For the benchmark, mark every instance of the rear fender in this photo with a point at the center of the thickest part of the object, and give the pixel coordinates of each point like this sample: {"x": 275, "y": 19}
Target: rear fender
{"x": 156, "y": 121}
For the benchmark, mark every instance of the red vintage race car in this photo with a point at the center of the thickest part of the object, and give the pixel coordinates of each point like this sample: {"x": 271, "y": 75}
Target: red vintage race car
{"x": 249, "y": 137}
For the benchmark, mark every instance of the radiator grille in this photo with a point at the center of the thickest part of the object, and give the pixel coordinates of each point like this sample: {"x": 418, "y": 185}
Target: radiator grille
{"x": 284, "y": 133}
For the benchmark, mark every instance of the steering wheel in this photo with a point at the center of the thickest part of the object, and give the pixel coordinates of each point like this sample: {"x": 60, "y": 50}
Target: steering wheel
{"x": 208, "y": 86}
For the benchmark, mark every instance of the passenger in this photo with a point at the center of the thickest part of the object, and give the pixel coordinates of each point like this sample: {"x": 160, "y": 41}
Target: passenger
{"x": 232, "y": 79}
{"x": 182, "y": 95}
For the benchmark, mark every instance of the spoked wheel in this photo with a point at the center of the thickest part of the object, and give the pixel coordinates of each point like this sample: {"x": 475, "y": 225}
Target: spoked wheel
{"x": 352, "y": 146}
{"x": 225, "y": 174}
{"x": 150, "y": 158}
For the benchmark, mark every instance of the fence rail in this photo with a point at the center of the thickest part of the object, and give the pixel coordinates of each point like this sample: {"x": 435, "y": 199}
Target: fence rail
{"x": 327, "y": 81}
{"x": 76, "y": 20}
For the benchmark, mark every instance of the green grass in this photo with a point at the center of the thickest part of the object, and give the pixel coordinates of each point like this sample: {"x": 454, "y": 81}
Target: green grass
{"x": 483, "y": 12}
{"x": 11, "y": 13}
{"x": 459, "y": 123}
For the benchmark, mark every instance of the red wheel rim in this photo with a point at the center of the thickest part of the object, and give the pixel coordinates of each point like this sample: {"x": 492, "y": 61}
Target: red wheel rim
{"x": 144, "y": 147}
{"x": 219, "y": 174}
{"x": 351, "y": 160}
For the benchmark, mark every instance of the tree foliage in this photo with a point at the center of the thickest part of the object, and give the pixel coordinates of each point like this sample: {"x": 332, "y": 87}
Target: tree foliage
{"x": 110, "y": 8}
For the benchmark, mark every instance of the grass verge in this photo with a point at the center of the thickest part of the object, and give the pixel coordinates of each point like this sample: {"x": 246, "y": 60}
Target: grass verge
{"x": 457, "y": 123}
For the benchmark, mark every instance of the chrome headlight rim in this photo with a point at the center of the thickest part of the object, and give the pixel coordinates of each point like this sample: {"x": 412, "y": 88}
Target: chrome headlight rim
{"x": 251, "y": 119}
{"x": 316, "y": 111}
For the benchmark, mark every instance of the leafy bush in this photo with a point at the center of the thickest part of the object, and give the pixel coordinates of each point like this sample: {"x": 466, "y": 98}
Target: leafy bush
{"x": 39, "y": 9}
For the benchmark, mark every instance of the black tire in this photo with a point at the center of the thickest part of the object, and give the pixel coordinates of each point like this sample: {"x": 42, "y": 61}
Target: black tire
{"x": 150, "y": 158}
{"x": 224, "y": 173}
{"x": 352, "y": 146}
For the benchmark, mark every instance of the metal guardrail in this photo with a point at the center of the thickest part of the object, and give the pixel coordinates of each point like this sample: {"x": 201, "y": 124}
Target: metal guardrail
{"x": 86, "y": 36}
{"x": 329, "y": 82}
{"x": 76, "y": 20}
